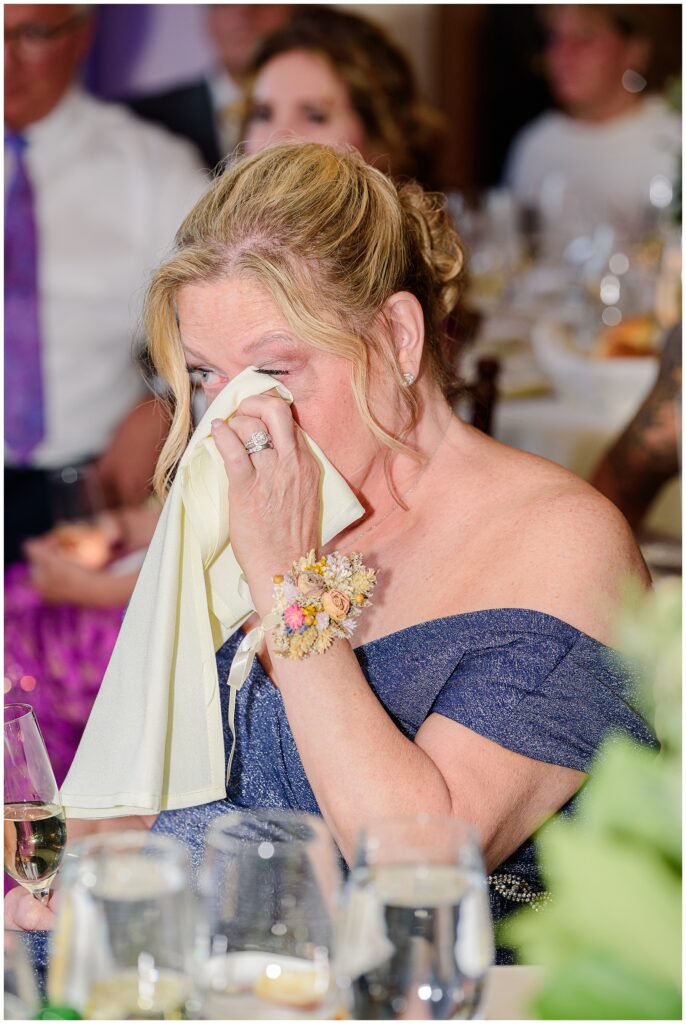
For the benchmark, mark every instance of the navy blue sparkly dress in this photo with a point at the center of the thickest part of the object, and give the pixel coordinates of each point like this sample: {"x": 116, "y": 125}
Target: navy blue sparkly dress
{"x": 524, "y": 679}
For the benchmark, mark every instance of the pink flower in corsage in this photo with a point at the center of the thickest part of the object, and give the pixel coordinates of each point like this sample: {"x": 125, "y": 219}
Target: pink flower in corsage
{"x": 294, "y": 616}
{"x": 310, "y": 584}
{"x": 336, "y": 604}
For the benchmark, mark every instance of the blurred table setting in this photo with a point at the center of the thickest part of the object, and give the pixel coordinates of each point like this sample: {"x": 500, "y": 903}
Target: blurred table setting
{"x": 576, "y": 315}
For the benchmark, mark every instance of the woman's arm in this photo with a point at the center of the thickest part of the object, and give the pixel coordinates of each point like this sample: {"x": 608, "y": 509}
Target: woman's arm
{"x": 360, "y": 765}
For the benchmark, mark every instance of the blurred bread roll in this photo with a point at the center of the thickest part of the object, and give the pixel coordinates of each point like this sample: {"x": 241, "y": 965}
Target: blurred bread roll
{"x": 634, "y": 336}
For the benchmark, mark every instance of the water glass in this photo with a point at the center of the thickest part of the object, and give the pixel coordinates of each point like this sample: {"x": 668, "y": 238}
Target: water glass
{"x": 22, "y": 999}
{"x": 35, "y": 832}
{"x": 124, "y": 938}
{"x": 76, "y": 494}
{"x": 415, "y": 937}
{"x": 269, "y": 887}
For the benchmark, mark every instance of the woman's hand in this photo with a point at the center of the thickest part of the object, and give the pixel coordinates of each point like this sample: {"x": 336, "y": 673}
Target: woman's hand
{"x": 274, "y": 495}
{"x": 24, "y": 913}
{"x": 60, "y": 581}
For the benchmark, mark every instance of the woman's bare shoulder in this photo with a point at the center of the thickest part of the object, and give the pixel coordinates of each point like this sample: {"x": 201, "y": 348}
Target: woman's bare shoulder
{"x": 579, "y": 551}
{"x": 562, "y": 548}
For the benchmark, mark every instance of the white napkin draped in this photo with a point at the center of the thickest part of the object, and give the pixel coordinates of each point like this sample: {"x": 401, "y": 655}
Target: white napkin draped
{"x": 154, "y": 739}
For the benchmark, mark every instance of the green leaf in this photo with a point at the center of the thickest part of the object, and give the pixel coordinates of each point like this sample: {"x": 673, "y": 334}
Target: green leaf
{"x": 627, "y": 778}
{"x": 595, "y": 987}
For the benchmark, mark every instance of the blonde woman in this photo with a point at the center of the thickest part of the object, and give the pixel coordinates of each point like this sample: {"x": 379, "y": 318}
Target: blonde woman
{"x": 479, "y": 683}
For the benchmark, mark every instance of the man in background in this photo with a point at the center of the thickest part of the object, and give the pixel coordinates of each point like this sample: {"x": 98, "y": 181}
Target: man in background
{"x": 204, "y": 111}
{"x": 93, "y": 198}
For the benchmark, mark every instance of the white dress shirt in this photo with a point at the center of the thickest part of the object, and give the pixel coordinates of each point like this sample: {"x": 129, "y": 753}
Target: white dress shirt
{"x": 224, "y": 94}
{"x": 599, "y": 172}
{"x": 109, "y": 191}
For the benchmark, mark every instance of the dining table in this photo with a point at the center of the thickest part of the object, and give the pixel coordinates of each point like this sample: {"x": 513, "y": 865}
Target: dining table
{"x": 543, "y": 409}
{"x": 509, "y": 990}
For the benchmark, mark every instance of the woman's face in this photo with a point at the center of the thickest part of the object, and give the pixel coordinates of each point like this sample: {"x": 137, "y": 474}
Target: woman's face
{"x": 298, "y": 97}
{"x": 228, "y": 325}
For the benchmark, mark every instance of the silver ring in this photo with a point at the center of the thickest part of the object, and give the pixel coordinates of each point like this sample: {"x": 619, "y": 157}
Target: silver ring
{"x": 258, "y": 442}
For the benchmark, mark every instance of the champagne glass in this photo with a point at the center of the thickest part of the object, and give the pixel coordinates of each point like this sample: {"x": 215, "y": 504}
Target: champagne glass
{"x": 35, "y": 829}
{"x": 124, "y": 936}
{"x": 269, "y": 885}
{"x": 415, "y": 936}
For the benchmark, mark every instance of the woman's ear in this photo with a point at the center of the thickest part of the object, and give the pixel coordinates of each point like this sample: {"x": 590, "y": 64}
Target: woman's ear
{"x": 405, "y": 317}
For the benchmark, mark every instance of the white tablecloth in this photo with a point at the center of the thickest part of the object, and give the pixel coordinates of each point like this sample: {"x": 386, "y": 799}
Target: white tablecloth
{"x": 508, "y": 992}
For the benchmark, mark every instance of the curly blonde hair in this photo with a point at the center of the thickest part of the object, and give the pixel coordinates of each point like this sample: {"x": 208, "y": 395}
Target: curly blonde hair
{"x": 331, "y": 239}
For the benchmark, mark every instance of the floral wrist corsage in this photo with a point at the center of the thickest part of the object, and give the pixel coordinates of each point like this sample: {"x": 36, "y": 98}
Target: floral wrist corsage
{"x": 317, "y": 602}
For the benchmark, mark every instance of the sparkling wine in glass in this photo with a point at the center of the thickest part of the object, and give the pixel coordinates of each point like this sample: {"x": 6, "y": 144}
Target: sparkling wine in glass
{"x": 35, "y": 830}
{"x": 125, "y": 931}
{"x": 415, "y": 935}
{"x": 269, "y": 887}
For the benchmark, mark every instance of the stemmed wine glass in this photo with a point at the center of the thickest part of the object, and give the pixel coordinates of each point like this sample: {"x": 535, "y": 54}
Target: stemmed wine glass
{"x": 124, "y": 937}
{"x": 35, "y": 829}
{"x": 269, "y": 886}
{"x": 415, "y": 937}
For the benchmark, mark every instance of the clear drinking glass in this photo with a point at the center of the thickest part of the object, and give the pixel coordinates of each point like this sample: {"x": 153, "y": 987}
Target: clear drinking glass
{"x": 123, "y": 942}
{"x": 22, "y": 1000}
{"x": 269, "y": 886}
{"x": 415, "y": 937}
{"x": 35, "y": 829}
{"x": 76, "y": 494}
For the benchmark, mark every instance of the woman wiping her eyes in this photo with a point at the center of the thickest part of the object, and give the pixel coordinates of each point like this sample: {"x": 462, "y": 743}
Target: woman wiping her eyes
{"x": 479, "y": 682}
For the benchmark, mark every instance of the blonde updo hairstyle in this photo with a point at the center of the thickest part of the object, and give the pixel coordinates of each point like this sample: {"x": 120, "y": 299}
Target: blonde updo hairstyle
{"x": 331, "y": 239}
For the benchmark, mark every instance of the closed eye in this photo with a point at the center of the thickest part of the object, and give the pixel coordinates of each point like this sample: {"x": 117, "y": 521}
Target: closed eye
{"x": 272, "y": 373}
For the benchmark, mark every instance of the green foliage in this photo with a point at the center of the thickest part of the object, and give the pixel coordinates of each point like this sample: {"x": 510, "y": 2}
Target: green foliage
{"x": 611, "y": 937}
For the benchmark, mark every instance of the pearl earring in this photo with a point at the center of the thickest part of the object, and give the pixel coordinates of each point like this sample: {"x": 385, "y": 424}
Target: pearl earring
{"x": 409, "y": 379}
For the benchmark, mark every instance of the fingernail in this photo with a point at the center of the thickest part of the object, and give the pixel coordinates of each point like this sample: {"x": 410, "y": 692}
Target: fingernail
{"x": 215, "y": 424}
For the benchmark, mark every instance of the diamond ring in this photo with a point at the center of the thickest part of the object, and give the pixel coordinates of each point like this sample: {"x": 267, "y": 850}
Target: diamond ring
{"x": 258, "y": 442}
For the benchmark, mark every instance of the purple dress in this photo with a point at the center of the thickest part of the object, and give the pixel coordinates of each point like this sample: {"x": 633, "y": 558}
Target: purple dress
{"x": 55, "y": 658}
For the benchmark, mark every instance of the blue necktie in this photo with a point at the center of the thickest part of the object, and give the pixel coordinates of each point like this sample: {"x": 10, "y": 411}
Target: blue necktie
{"x": 24, "y": 413}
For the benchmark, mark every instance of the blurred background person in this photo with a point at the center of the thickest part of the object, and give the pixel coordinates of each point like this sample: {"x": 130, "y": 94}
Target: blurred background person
{"x": 330, "y": 76}
{"x": 610, "y": 152}
{"x": 203, "y": 111}
{"x": 647, "y": 453}
{"x": 93, "y": 198}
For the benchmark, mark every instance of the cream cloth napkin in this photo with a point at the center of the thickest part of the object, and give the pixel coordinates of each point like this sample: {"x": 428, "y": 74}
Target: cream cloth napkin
{"x": 154, "y": 739}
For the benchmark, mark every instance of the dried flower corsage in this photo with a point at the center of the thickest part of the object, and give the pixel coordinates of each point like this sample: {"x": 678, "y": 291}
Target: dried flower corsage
{"x": 317, "y": 602}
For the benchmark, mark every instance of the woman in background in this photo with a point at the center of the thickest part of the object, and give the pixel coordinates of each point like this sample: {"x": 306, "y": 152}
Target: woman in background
{"x": 333, "y": 77}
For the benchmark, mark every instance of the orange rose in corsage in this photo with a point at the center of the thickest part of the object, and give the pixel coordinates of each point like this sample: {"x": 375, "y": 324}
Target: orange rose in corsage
{"x": 336, "y": 604}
